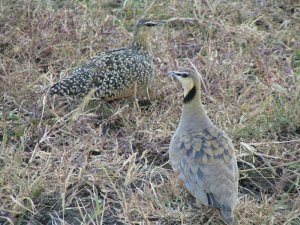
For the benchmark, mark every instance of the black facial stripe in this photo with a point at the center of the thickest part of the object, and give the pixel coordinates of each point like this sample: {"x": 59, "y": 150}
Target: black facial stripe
{"x": 182, "y": 74}
{"x": 190, "y": 96}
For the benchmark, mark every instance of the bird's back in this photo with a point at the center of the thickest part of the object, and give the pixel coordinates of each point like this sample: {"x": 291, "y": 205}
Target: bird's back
{"x": 111, "y": 73}
{"x": 205, "y": 162}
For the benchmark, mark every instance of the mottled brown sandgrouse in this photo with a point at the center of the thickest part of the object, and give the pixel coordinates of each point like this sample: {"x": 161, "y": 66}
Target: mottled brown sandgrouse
{"x": 116, "y": 73}
{"x": 201, "y": 154}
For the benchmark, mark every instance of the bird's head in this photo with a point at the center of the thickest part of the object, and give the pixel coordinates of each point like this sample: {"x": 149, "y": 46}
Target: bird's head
{"x": 143, "y": 26}
{"x": 142, "y": 31}
{"x": 188, "y": 78}
{"x": 148, "y": 23}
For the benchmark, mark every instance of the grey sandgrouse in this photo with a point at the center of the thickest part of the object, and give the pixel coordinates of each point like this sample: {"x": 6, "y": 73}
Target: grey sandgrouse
{"x": 201, "y": 154}
{"x": 116, "y": 73}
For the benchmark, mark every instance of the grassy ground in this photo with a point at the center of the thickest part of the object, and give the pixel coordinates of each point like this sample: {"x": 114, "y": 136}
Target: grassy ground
{"x": 111, "y": 165}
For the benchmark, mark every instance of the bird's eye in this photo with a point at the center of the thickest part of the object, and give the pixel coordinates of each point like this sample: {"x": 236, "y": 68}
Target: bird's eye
{"x": 183, "y": 74}
{"x": 149, "y": 24}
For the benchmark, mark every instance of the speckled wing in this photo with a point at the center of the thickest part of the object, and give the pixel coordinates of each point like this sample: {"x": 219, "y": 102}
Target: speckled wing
{"x": 78, "y": 82}
{"x": 114, "y": 74}
{"x": 121, "y": 70}
{"x": 205, "y": 163}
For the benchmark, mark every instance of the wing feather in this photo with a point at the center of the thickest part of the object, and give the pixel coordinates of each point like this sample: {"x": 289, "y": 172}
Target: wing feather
{"x": 206, "y": 165}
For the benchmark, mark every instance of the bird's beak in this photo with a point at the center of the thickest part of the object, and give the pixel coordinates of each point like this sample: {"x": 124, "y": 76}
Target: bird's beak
{"x": 172, "y": 73}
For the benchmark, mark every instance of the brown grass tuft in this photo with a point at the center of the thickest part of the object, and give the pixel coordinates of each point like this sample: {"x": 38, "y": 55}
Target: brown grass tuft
{"x": 111, "y": 165}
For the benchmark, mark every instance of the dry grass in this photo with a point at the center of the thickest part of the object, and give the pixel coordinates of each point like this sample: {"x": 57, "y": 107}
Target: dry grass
{"x": 111, "y": 166}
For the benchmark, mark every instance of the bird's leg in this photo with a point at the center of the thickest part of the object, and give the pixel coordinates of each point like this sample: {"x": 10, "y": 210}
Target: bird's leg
{"x": 135, "y": 94}
{"x": 151, "y": 94}
{"x": 135, "y": 91}
{"x": 83, "y": 104}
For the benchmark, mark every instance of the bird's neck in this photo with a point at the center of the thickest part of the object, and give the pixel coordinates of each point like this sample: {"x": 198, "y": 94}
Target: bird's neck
{"x": 140, "y": 40}
{"x": 193, "y": 112}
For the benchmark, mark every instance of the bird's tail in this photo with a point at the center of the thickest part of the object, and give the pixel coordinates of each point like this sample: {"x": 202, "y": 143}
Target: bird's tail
{"x": 76, "y": 84}
{"x": 225, "y": 209}
{"x": 228, "y": 216}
